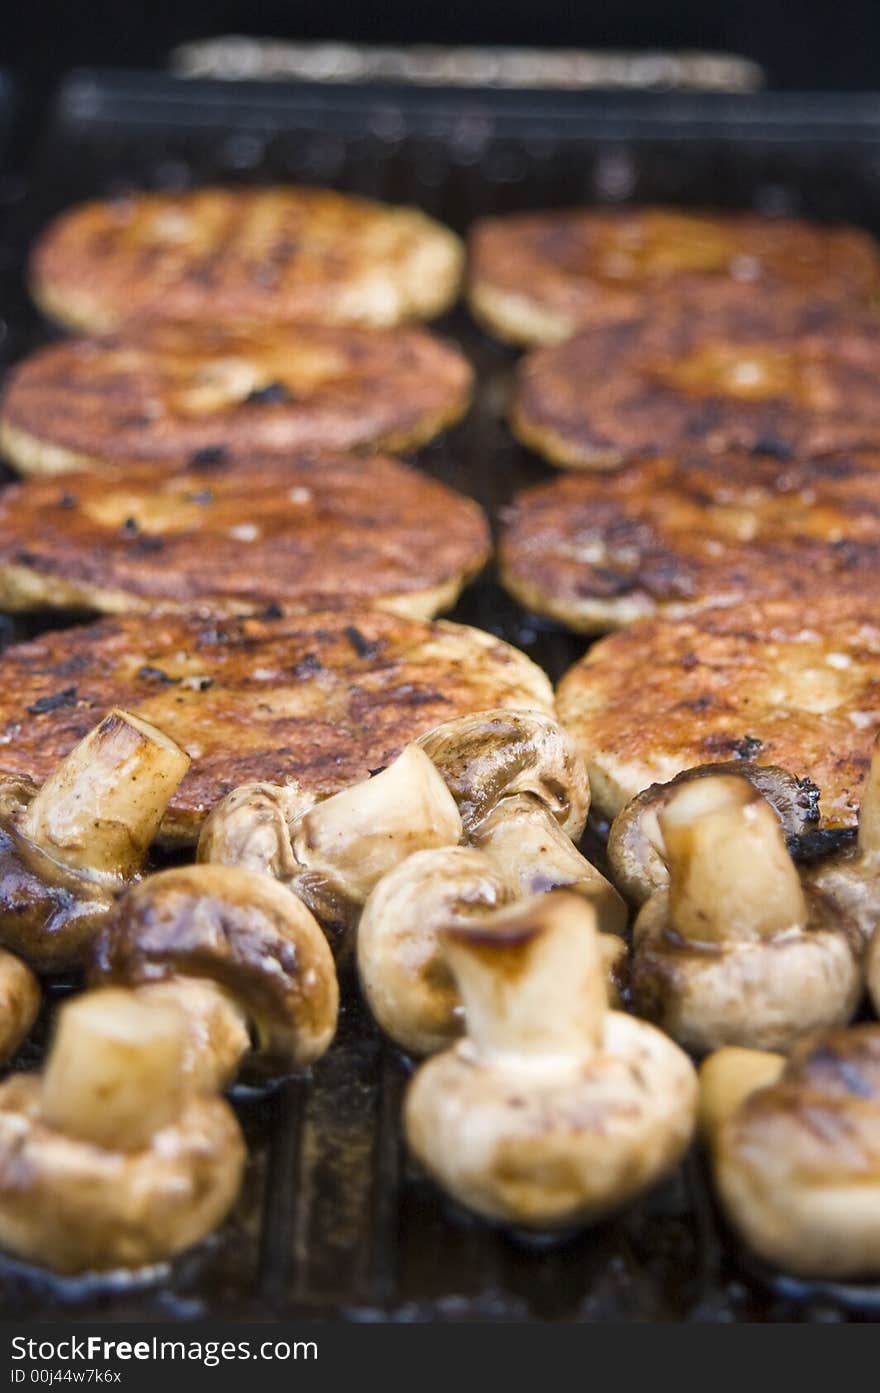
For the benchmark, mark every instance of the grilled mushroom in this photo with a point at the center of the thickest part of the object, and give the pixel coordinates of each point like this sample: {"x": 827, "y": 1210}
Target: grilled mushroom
{"x": 19, "y": 1003}
{"x": 636, "y": 853}
{"x": 240, "y": 954}
{"x": 110, "y": 1159}
{"x": 795, "y": 1150}
{"x": 737, "y": 951}
{"x": 534, "y": 854}
{"x": 251, "y": 828}
{"x": 402, "y": 966}
{"x": 331, "y": 853}
{"x": 727, "y": 1078}
{"x": 496, "y": 754}
{"x": 553, "y": 1110}
{"x": 851, "y": 879}
{"x": 68, "y": 848}
{"x": 403, "y": 972}
{"x": 522, "y": 790}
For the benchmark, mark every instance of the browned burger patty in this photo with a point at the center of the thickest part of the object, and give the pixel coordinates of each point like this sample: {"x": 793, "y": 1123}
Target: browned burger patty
{"x": 675, "y": 381}
{"x": 322, "y": 697}
{"x": 175, "y": 389}
{"x": 668, "y": 537}
{"x": 537, "y": 278}
{"x": 287, "y": 253}
{"x": 233, "y": 537}
{"x": 786, "y": 682}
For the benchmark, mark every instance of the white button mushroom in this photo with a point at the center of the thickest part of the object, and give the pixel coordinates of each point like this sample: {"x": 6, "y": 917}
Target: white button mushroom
{"x": 636, "y": 853}
{"x": 552, "y": 1110}
{"x": 795, "y": 1150}
{"x": 358, "y": 835}
{"x": 331, "y": 853}
{"x": 403, "y": 971}
{"x": 251, "y": 826}
{"x": 522, "y": 790}
{"x": 402, "y": 965}
{"x": 737, "y": 951}
{"x": 67, "y": 848}
{"x": 110, "y": 1159}
{"x": 20, "y": 998}
{"x": 241, "y": 955}
{"x": 498, "y": 753}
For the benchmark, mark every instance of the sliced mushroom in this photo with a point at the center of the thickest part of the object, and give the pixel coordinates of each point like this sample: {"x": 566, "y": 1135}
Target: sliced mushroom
{"x": 331, "y": 853}
{"x": 109, "y": 1160}
{"x": 68, "y": 848}
{"x": 263, "y": 963}
{"x": 795, "y": 1149}
{"x": 636, "y": 853}
{"x": 851, "y": 879}
{"x": 552, "y": 1110}
{"x": 534, "y": 854}
{"x": 737, "y": 951}
{"x": 496, "y": 754}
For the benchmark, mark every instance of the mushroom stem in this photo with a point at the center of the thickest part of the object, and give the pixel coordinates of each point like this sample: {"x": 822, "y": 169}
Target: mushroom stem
{"x": 731, "y": 877}
{"x": 531, "y": 979}
{"x": 217, "y": 1037}
{"x": 534, "y": 855}
{"x": 358, "y": 835}
{"x": 869, "y": 813}
{"x": 116, "y": 1071}
{"x": 728, "y": 1077}
{"x": 102, "y": 807}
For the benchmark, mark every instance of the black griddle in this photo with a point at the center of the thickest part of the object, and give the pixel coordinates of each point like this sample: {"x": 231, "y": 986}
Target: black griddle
{"x": 334, "y": 1223}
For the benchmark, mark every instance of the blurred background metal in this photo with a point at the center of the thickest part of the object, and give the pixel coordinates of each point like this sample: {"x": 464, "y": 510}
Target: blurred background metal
{"x": 235, "y": 57}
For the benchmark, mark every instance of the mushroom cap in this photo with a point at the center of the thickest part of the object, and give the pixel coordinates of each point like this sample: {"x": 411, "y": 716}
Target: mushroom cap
{"x": 73, "y": 1207}
{"x": 797, "y": 1164}
{"x": 253, "y": 827}
{"x": 561, "y": 1144}
{"x": 250, "y": 827}
{"x": 851, "y": 882}
{"x": 496, "y": 753}
{"x": 762, "y": 993}
{"x": 49, "y": 913}
{"x": 20, "y": 999}
{"x": 331, "y": 852}
{"x": 635, "y": 842}
{"x": 405, "y": 978}
{"x": 246, "y": 932}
